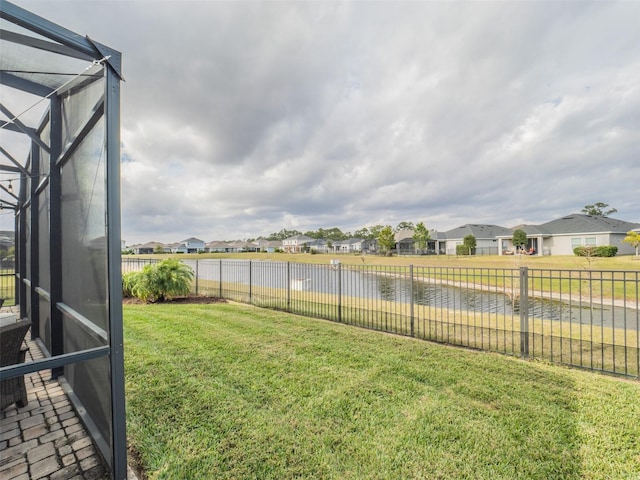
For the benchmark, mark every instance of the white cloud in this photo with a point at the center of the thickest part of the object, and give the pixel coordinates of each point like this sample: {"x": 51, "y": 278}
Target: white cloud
{"x": 242, "y": 118}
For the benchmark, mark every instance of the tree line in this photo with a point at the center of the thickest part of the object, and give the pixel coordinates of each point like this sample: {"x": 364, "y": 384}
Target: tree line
{"x": 336, "y": 234}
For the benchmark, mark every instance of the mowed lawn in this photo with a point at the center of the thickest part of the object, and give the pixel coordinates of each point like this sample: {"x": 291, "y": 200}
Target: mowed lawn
{"x": 561, "y": 262}
{"x": 233, "y": 391}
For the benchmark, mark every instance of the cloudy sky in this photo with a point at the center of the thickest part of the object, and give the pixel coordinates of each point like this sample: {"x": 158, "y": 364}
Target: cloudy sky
{"x": 242, "y": 118}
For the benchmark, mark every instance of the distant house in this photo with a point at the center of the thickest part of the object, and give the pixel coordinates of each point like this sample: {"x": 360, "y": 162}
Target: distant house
{"x": 190, "y": 245}
{"x": 240, "y": 246}
{"x": 269, "y": 246}
{"x": 352, "y": 245}
{"x": 562, "y": 235}
{"x": 217, "y": 247}
{"x": 273, "y": 246}
{"x": 369, "y": 245}
{"x": 486, "y": 238}
{"x": 148, "y": 248}
{"x": 261, "y": 243}
{"x": 296, "y": 243}
{"x": 317, "y": 245}
{"x": 405, "y": 244}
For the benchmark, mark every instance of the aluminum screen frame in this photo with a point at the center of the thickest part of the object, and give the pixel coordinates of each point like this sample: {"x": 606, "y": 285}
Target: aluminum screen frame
{"x": 77, "y": 140}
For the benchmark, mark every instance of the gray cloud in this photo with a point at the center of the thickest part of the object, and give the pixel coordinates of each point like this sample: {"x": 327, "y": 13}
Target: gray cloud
{"x": 243, "y": 118}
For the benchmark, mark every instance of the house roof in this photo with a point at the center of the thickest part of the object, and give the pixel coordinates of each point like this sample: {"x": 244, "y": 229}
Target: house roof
{"x": 530, "y": 230}
{"x": 351, "y": 241}
{"x": 580, "y": 223}
{"x": 192, "y": 240}
{"x": 217, "y": 244}
{"x": 317, "y": 242}
{"x": 403, "y": 234}
{"x": 149, "y": 245}
{"x": 480, "y": 231}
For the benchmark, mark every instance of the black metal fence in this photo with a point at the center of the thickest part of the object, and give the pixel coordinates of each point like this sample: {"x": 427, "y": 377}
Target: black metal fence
{"x": 583, "y": 318}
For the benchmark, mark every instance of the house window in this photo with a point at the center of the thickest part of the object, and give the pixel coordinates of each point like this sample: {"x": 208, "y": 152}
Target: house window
{"x": 590, "y": 241}
{"x": 576, "y": 242}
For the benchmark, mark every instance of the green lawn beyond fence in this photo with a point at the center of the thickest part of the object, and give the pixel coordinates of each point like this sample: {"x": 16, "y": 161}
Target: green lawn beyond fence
{"x": 584, "y": 318}
{"x": 233, "y": 391}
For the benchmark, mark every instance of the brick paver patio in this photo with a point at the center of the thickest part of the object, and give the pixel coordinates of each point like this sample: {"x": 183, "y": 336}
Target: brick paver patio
{"x": 46, "y": 440}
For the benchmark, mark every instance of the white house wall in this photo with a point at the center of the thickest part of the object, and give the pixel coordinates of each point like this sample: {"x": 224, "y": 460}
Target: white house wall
{"x": 561, "y": 244}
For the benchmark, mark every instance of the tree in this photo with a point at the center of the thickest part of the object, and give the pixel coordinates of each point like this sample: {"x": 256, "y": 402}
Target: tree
{"x": 334, "y": 234}
{"x": 469, "y": 242}
{"x": 362, "y": 233}
{"x": 282, "y": 234}
{"x": 598, "y": 210}
{"x": 421, "y": 237}
{"x": 404, "y": 226}
{"x": 386, "y": 240}
{"x": 519, "y": 238}
{"x": 633, "y": 239}
{"x": 374, "y": 232}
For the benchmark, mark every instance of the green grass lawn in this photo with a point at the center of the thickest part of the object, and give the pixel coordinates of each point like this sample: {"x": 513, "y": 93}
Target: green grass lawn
{"x": 233, "y": 391}
{"x": 562, "y": 262}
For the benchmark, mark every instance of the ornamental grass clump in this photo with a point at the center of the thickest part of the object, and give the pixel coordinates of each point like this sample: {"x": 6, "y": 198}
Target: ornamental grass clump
{"x": 158, "y": 282}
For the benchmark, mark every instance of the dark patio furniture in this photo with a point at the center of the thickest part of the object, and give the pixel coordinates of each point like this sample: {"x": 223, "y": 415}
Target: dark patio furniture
{"x": 11, "y": 352}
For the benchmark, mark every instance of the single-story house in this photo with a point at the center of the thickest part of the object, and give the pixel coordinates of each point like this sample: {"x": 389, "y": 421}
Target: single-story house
{"x": 404, "y": 242}
{"x": 217, "y": 247}
{"x": 486, "y": 238}
{"x": 148, "y": 248}
{"x": 269, "y": 246}
{"x": 240, "y": 246}
{"x": 318, "y": 245}
{"x": 273, "y": 246}
{"x": 562, "y": 235}
{"x": 352, "y": 245}
{"x": 369, "y": 245}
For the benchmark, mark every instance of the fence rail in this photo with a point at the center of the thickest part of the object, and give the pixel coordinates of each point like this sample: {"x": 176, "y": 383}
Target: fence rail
{"x": 583, "y": 318}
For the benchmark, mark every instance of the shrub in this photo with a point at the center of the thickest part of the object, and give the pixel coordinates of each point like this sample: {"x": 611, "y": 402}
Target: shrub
{"x": 592, "y": 251}
{"x": 464, "y": 250}
{"x": 160, "y": 281}
{"x": 607, "y": 251}
{"x": 129, "y": 281}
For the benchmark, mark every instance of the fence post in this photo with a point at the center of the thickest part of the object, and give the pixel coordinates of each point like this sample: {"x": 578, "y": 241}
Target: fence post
{"x": 340, "y": 292}
{"x": 220, "y": 294}
{"x": 411, "y": 294}
{"x": 524, "y": 312}
{"x": 288, "y": 286}
{"x": 197, "y": 263}
{"x": 250, "y": 286}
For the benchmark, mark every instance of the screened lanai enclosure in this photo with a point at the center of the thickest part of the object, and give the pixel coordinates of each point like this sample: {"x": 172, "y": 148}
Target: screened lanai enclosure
{"x": 60, "y": 194}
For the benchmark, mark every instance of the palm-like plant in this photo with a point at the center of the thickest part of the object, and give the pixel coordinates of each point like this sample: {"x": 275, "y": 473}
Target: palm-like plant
{"x": 158, "y": 282}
